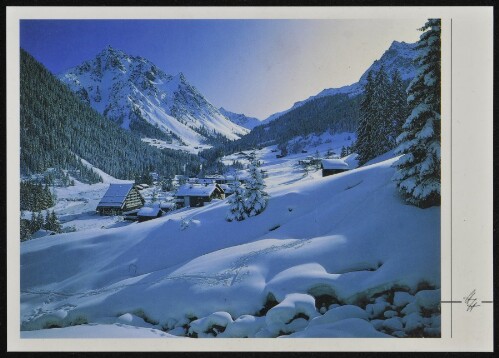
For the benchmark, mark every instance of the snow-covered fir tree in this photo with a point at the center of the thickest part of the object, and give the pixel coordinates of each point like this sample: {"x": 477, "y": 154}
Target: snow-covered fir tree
{"x": 380, "y": 142}
{"x": 398, "y": 110}
{"x": 418, "y": 170}
{"x": 52, "y": 222}
{"x": 364, "y": 129}
{"x": 382, "y": 110}
{"x": 237, "y": 210}
{"x": 255, "y": 197}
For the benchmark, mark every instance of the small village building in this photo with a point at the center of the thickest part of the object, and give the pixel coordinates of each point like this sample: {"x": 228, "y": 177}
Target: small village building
{"x": 196, "y": 195}
{"x": 333, "y": 166}
{"x": 149, "y": 213}
{"x": 200, "y": 181}
{"x": 120, "y": 198}
{"x": 131, "y": 215}
{"x": 167, "y": 206}
{"x": 219, "y": 179}
{"x": 180, "y": 179}
{"x": 228, "y": 189}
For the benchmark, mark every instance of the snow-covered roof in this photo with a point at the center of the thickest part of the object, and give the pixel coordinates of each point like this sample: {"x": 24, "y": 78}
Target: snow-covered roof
{"x": 196, "y": 190}
{"x": 201, "y": 180}
{"x": 148, "y": 211}
{"x": 116, "y": 194}
{"x": 334, "y": 164}
{"x": 214, "y": 176}
{"x": 226, "y": 188}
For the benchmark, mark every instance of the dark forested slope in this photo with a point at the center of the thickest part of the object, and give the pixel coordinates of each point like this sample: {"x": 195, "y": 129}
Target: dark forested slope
{"x": 57, "y": 128}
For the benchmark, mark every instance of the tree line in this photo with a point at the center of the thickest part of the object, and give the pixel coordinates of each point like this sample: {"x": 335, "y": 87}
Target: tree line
{"x": 383, "y": 110}
{"x": 35, "y": 196}
{"x": 407, "y": 122}
{"x": 38, "y": 222}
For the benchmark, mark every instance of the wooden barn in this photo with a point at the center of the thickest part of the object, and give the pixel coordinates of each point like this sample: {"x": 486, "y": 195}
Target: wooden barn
{"x": 120, "y": 198}
{"x": 333, "y": 166}
{"x": 149, "y": 213}
{"x": 196, "y": 195}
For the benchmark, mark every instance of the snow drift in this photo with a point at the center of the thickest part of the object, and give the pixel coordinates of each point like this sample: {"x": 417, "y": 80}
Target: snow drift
{"x": 341, "y": 256}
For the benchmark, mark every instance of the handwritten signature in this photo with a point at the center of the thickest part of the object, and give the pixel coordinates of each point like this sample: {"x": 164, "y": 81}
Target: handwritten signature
{"x": 471, "y": 302}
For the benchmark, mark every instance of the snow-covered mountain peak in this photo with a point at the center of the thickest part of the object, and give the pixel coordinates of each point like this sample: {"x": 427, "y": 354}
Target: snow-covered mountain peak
{"x": 139, "y": 96}
{"x": 399, "y": 56}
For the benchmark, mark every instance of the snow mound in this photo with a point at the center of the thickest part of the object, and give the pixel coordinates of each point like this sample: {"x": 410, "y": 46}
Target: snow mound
{"x": 296, "y": 305}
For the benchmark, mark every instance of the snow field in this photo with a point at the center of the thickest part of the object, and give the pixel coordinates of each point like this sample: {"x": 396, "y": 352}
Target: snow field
{"x": 321, "y": 247}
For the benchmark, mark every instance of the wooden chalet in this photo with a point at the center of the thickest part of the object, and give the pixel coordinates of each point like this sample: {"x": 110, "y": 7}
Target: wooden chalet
{"x": 196, "y": 195}
{"x": 120, "y": 198}
{"x": 149, "y": 213}
{"x": 333, "y": 166}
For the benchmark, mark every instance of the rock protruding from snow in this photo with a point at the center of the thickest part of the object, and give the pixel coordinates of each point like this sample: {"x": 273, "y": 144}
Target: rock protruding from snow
{"x": 280, "y": 318}
{"x": 211, "y": 325}
{"x": 245, "y": 326}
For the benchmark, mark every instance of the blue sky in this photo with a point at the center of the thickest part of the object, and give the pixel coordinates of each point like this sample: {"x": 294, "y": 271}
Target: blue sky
{"x": 255, "y": 67}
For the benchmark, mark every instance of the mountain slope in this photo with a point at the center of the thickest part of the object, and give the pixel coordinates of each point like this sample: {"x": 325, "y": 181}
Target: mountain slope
{"x": 334, "y": 110}
{"x": 139, "y": 96}
{"x": 399, "y": 56}
{"x": 338, "y": 113}
{"x": 240, "y": 119}
{"x": 57, "y": 129}
{"x": 325, "y": 252}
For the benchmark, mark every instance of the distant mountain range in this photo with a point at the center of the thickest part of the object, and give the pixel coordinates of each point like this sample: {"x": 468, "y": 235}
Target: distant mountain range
{"x": 400, "y": 56}
{"x": 139, "y": 96}
{"x": 241, "y": 119}
{"x": 334, "y": 109}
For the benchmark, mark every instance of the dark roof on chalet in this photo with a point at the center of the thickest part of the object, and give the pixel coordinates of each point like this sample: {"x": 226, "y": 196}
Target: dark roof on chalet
{"x": 334, "y": 164}
{"x": 115, "y": 196}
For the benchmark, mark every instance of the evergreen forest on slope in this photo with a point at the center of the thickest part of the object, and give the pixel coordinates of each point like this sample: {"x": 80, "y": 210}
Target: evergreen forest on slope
{"x": 57, "y": 129}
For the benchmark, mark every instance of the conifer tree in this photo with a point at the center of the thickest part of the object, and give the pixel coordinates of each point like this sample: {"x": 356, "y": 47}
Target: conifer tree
{"x": 25, "y": 231}
{"x": 418, "y": 170}
{"x": 255, "y": 197}
{"x": 398, "y": 109}
{"x": 364, "y": 129}
{"x": 380, "y": 114}
{"x": 39, "y": 220}
{"x": 55, "y": 225}
{"x": 47, "y": 225}
{"x": 237, "y": 210}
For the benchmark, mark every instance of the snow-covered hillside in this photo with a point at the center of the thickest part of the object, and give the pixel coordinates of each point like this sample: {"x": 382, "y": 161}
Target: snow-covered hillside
{"x": 129, "y": 89}
{"x": 400, "y": 56}
{"x": 340, "y": 256}
{"x": 241, "y": 119}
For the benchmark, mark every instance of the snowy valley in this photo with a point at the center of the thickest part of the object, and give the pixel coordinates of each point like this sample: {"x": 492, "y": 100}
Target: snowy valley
{"x": 342, "y": 238}
{"x": 339, "y": 256}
